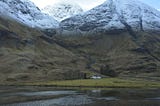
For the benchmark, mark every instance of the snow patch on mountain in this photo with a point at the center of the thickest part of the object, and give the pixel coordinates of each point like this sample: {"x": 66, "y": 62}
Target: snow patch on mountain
{"x": 26, "y": 12}
{"x": 62, "y": 10}
{"x": 114, "y": 15}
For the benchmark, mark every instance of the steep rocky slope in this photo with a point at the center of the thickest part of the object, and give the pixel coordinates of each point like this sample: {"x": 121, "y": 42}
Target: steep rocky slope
{"x": 27, "y": 54}
{"x": 26, "y": 12}
{"x": 117, "y": 54}
{"x": 119, "y": 37}
{"x": 119, "y": 15}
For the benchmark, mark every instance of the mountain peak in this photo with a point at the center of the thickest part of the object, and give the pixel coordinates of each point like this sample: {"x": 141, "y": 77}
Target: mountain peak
{"x": 115, "y": 15}
{"x": 62, "y": 10}
{"x": 26, "y": 12}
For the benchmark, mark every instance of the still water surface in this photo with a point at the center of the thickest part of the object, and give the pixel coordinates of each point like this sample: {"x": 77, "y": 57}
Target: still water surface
{"x": 17, "y": 96}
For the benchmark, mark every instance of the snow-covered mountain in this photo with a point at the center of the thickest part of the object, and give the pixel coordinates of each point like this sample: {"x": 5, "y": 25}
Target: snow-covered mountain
{"x": 62, "y": 10}
{"x": 114, "y": 15}
{"x": 27, "y": 13}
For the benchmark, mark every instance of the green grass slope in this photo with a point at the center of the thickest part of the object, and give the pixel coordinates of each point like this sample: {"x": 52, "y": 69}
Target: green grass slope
{"x": 27, "y": 54}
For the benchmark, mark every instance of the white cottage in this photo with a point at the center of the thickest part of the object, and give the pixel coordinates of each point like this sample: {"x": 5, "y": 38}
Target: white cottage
{"x": 96, "y": 77}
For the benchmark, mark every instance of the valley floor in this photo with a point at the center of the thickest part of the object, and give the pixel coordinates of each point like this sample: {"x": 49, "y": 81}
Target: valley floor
{"x": 100, "y": 83}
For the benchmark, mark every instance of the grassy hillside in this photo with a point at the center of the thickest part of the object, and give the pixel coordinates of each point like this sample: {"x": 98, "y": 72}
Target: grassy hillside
{"x": 27, "y": 54}
{"x": 118, "y": 54}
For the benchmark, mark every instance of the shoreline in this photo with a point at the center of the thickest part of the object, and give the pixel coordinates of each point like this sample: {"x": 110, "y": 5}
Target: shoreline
{"x": 92, "y": 83}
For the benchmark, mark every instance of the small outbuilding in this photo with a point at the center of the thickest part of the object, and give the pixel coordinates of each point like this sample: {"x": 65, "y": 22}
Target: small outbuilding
{"x": 96, "y": 77}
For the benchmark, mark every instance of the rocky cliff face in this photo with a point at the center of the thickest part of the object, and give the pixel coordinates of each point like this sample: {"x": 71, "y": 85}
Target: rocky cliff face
{"x": 113, "y": 15}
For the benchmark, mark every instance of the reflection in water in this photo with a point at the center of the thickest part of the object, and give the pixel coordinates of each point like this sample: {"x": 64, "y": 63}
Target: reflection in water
{"x": 43, "y": 93}
{"x": 110, "y": 97}
{"x": 156, "y": 98}
{"x": 74, "y": 100}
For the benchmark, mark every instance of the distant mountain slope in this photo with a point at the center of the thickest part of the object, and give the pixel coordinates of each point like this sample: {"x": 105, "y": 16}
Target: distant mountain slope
{"x": 62, "y": 10}
{"x": 119, "y": 37}
{"x": 27, "y": 13}
{"x": 115, "y": 15}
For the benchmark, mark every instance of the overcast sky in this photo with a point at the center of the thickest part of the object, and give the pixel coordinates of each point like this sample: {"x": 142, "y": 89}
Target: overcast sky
{"x": 88, "y": 4}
